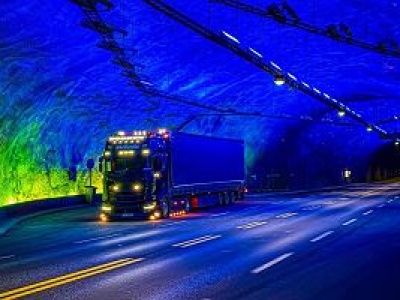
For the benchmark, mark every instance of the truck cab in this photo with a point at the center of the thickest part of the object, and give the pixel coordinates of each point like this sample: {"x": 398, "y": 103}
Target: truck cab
{"x": 136, "y": 177}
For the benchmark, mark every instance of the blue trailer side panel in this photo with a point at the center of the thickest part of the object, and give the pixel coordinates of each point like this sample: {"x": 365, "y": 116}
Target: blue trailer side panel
{"x": 199, "y": 159}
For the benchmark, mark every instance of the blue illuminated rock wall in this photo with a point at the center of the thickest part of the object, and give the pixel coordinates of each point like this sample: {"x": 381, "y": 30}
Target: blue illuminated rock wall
{"x": 61, "y": 96}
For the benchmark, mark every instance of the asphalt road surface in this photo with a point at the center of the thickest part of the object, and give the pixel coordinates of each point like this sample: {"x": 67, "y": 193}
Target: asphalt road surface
{"x": 342, "y": 244}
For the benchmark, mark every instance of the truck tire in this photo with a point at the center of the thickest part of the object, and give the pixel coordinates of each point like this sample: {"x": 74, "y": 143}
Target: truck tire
{"x": 221, "y": 199}
{"x": 165, "y": 208}
{"x": 187, "y": 205}
{"x": 233, "y": 197}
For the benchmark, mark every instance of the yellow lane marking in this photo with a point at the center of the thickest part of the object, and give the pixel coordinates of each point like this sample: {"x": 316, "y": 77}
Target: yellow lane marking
{"x": 64, "y": 279}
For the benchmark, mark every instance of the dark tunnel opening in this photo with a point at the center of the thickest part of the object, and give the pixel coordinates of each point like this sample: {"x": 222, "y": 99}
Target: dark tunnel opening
{"x": 385, "y": 163}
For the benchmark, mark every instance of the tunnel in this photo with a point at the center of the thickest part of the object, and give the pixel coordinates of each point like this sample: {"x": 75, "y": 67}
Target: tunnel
{"x": 75, "y": 72}
{"x": 207, "y": 149}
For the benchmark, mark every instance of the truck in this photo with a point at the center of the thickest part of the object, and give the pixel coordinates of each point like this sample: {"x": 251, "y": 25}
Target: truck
{"x": 157, "y": 174}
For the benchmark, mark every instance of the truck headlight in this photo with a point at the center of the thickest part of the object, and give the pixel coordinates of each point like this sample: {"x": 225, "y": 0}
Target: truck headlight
{"x": 137, "y": 187}
{"x": 150, "y": 205}
{"x": 115, "y": 187}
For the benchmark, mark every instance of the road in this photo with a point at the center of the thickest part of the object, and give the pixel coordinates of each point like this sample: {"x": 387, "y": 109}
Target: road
{"x": 342, "y": 244}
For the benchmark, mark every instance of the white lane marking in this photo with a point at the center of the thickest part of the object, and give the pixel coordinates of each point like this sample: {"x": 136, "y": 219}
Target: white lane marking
{"x": 220, "y": 214}
{"x": 349, "y": 222}
{"x": 251, "y": 225}
{"x": 368, "y": 212}
{"x": 172, "y": 223}
{"x": 197, "y": 241}
{"x": 97, "y": 238}
{"x": 321, "y": 236}
{"x": 286, "y": 215}
{"x": 6, "y": 257}
{"x": 271, "y": 263}
{"x": 202, "y": 241}
{"x": 191, "y": 241}
{"x": 382, "y": 205}
{"x": 390, "y": 201}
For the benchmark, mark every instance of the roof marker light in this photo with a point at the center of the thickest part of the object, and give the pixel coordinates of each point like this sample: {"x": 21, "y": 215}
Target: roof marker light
{"x": 231, "y": 37}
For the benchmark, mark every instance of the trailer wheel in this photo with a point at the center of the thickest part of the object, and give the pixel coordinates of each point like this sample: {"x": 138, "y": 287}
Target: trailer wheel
{"x": 234, "y": 197}
{"x": 165, "y": 208}
{"x": 221, "y": 199}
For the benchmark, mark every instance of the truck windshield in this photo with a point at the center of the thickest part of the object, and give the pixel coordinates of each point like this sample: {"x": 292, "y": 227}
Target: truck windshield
{"x": 135, "y": 164}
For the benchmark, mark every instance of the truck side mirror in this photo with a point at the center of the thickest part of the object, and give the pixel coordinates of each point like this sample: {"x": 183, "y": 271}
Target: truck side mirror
{"x": 101, "y": 164}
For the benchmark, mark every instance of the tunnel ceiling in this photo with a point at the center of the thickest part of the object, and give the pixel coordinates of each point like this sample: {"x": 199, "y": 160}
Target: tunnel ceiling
{"x": 61, "y": 93}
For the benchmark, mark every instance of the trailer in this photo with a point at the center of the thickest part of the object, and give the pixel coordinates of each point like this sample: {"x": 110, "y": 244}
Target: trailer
{"x": 157, "y": 174}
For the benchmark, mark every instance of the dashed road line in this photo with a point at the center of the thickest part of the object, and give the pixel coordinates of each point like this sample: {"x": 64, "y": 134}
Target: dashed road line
{"x": 271, "y": 263}
{"x": 321, "y": 236}
{"x": 172, "y": 223}
{"x": 349, "y": 222}
{"x": 220, "y": 214}
{"x": 382, "y": 205}
{"x": 252, "y": 225}
{"x": 368, "y": 212}
{"x": 97, "y": 238}
{"x": 6, "y": 257}
{"x": 196, "y": 241}
{"x": 286, "y": 215}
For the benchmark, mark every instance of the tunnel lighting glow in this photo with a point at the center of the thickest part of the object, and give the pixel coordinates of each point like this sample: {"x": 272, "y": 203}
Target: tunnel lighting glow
{"x": 334, "y": 100}
{"x": 231, "y": 37}
{"x": 279, "y": 80}
{"x": 255, "y": 52}
{"x": 341, "y": 113}
{"x": 327, "y": 96}
{"x": 317, "y": 90}
{"x": 275, "y": 65}
{"x": 292, "y": 76}
{"x": 145, "y": 152}
{"x": 146, "y": 83}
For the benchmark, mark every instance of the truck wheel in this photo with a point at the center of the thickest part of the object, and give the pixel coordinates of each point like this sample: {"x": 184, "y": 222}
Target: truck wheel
{"x": 221, "y": 199}
{"x": 165, "y": 209}
{"x": 233, "y": 197}
{"x": 187, "y": 205}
